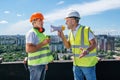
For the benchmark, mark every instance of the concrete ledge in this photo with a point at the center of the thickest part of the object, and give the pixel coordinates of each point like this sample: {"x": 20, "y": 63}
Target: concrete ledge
{"x": 59, "y": 70}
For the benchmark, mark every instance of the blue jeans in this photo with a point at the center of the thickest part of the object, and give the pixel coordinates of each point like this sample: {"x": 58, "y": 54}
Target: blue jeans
{"x": 37, "y": 72}
{"x": 88, "y": 72}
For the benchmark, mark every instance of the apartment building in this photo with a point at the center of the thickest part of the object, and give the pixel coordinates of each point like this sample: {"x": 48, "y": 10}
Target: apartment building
{"x": 106, "y": 42}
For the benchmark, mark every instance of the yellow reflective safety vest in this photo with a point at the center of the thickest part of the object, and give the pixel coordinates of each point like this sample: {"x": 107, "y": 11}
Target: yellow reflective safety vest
{"x": 43, "y": 55}
{"x": 81, "y": 40}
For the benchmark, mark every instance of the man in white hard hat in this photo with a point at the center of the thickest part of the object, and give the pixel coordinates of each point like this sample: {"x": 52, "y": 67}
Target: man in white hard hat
{"x": 82, "y": 41}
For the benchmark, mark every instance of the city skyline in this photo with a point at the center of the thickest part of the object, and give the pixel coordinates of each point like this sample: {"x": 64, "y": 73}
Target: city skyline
{"x": 101, "y": 15}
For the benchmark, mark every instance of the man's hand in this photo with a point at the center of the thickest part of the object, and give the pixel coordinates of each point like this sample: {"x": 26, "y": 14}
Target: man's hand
{"x": 60, "y": 33}
{"x": 46, "y": 67}
{"x": 84, "y": 52}
{"x": 46, "y": 41}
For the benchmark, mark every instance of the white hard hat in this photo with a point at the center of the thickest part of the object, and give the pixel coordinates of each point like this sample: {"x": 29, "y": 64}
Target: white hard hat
{"x": 73, "y": 14}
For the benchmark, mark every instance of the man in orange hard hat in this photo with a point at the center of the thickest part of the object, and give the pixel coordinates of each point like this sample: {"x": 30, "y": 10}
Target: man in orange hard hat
{"x": 37, "y": 47}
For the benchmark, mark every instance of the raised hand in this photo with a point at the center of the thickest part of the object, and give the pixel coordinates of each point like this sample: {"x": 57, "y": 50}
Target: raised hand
{"x": 46, "y": 41}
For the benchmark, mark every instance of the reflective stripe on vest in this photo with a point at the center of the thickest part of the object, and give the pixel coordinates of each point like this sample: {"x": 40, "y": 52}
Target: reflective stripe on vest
{"x": 79, "y": 46}
{"x": 83, "y": 45}
{"x": 40, "y": 56}
{"x": 88, "y": 55}
{"x": 43, "y": 55}
{"x": 82, "y": 37}
{"x": 81, "y": 40}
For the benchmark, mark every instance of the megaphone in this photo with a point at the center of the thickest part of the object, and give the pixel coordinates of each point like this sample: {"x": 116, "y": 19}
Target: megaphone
{"x": 57, "y": 28}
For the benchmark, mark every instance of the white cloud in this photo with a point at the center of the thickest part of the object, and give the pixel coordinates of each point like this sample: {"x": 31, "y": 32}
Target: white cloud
{"x": 3, "y": 22}
{"x": 20, "y": 27}
{"x": 6, "y": 12}
{"x": 61, "y": 2}
{"x": 19, "y": 15}
{"x": 84, "y": 9}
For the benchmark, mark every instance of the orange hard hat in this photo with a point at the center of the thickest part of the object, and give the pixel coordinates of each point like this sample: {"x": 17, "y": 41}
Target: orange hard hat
{"x": 36, "y": 15}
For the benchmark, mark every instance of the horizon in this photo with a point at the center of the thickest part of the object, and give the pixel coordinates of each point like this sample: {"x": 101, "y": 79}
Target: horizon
{"x": 54, "y": 35}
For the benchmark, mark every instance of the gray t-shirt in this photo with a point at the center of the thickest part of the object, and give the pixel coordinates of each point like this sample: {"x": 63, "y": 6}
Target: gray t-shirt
{"x": 31, "y": 37}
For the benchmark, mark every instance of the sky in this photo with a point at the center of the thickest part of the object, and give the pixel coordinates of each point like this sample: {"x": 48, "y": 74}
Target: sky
{"x": 102, "y": 16}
